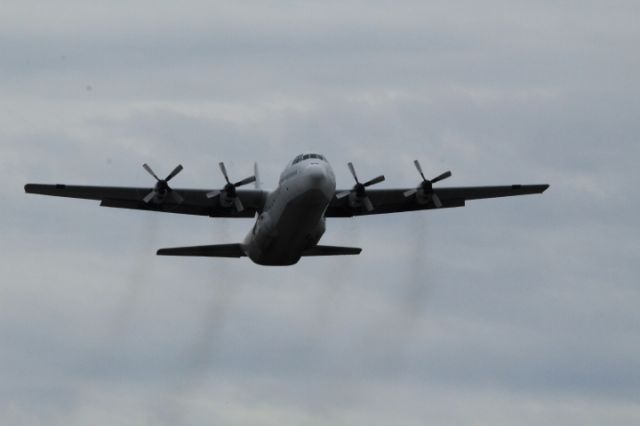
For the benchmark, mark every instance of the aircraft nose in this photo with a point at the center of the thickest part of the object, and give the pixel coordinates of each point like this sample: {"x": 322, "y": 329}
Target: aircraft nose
{"x": 319, "y": 177}
{"x": 316, "y": 173}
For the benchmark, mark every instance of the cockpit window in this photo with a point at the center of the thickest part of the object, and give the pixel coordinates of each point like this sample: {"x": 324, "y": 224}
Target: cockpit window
{"x": 302, "y": 157}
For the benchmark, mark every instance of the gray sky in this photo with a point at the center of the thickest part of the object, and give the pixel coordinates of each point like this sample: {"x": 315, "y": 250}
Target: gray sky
{"x": 515, "y": 311}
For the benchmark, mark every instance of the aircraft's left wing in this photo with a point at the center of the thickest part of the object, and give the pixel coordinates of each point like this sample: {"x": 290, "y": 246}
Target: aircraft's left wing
{"x": 193, "y": 201}
{"x": 395, "y": 200}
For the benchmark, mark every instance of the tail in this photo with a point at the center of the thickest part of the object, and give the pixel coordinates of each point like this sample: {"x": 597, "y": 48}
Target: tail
{"x": 256, "y": 173}
{"x": 331, "y": 251}
{"x": 216, "y": 250}
{"x": 237, "y": 250}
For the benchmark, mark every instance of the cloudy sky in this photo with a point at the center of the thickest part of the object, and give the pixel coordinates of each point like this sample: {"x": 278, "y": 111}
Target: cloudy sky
{"x": 516, "y": 311}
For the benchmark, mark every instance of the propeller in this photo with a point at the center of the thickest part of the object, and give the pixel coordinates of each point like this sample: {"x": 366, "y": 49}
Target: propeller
{"x": 359, "y": 190}
{"x": 162, "y": 188}
{"x": 426, "y": 186}
{"x": 229, "y": 190}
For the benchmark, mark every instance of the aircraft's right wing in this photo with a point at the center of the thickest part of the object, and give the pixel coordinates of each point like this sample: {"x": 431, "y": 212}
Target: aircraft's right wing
{"x": 395, "y": 200}
{"x": 193, "y": 201}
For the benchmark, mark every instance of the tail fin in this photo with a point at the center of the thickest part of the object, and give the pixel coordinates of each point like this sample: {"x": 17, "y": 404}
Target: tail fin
{"x": 256, "y": 173}
{"x": 216, "y": 250}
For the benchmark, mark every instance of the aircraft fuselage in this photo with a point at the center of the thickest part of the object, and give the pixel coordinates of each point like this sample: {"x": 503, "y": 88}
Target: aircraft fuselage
{"x": 293, "y": 216}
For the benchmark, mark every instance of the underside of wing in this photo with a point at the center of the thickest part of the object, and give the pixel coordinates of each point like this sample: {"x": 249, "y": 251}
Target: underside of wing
{"x": 187, "y": 201}
{"x": 398, "y": 200}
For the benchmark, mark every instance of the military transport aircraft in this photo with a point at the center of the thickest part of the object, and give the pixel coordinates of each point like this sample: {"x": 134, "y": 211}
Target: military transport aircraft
{"x": 289, "y": 220}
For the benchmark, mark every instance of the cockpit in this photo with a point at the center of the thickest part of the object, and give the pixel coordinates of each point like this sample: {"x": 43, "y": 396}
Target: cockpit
{"x": 302, "y": 157}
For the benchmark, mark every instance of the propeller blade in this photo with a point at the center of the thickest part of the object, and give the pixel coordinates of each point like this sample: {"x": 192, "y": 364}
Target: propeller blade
{"x": 173, "y": 174}
{"x": 359, "y": 188}
{"x": 353, "y": 171}
{"x": 150, "y": 196}
{"x": 223, "y": 169}
{"x": 176, "y": 197}
{"x": 245, "y": 181}
{"x": 409, "y": 193}
{"x": 213, "y": 194}
{"x": 443, "y": 176}
{"x": 150, "y": 171}
{"x": 417, "y": 164}
{"x": 436, "y": 200}
{"x": 375, "y": 180}
{"x": 238, "y": 203}
{"x": 229, "y": 190}
{"x": 367, "y": 204}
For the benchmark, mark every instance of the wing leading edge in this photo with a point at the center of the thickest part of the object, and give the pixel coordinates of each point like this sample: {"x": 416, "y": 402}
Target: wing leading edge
{"x": 394, "y": 200}
{"x": 194, "y": 201}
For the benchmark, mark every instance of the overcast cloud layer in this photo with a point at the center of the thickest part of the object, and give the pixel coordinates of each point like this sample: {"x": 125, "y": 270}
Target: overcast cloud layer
{"x": 516, "y": 311}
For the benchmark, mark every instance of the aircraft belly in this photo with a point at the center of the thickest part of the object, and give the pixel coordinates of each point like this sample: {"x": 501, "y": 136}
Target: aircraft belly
{"x": 299, "y": 225}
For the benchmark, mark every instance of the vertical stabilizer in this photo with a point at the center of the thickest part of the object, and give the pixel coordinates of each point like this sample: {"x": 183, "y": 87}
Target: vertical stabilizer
{"x": 258, "y": 184}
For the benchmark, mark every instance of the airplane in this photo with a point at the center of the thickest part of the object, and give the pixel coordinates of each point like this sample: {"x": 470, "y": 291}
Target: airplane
{"x": 290, "y": 220}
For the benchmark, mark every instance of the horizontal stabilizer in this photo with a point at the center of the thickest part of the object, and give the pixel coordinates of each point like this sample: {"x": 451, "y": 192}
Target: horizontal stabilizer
{"x": 216, "y": 250}
{"x": 331, "y": 251}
